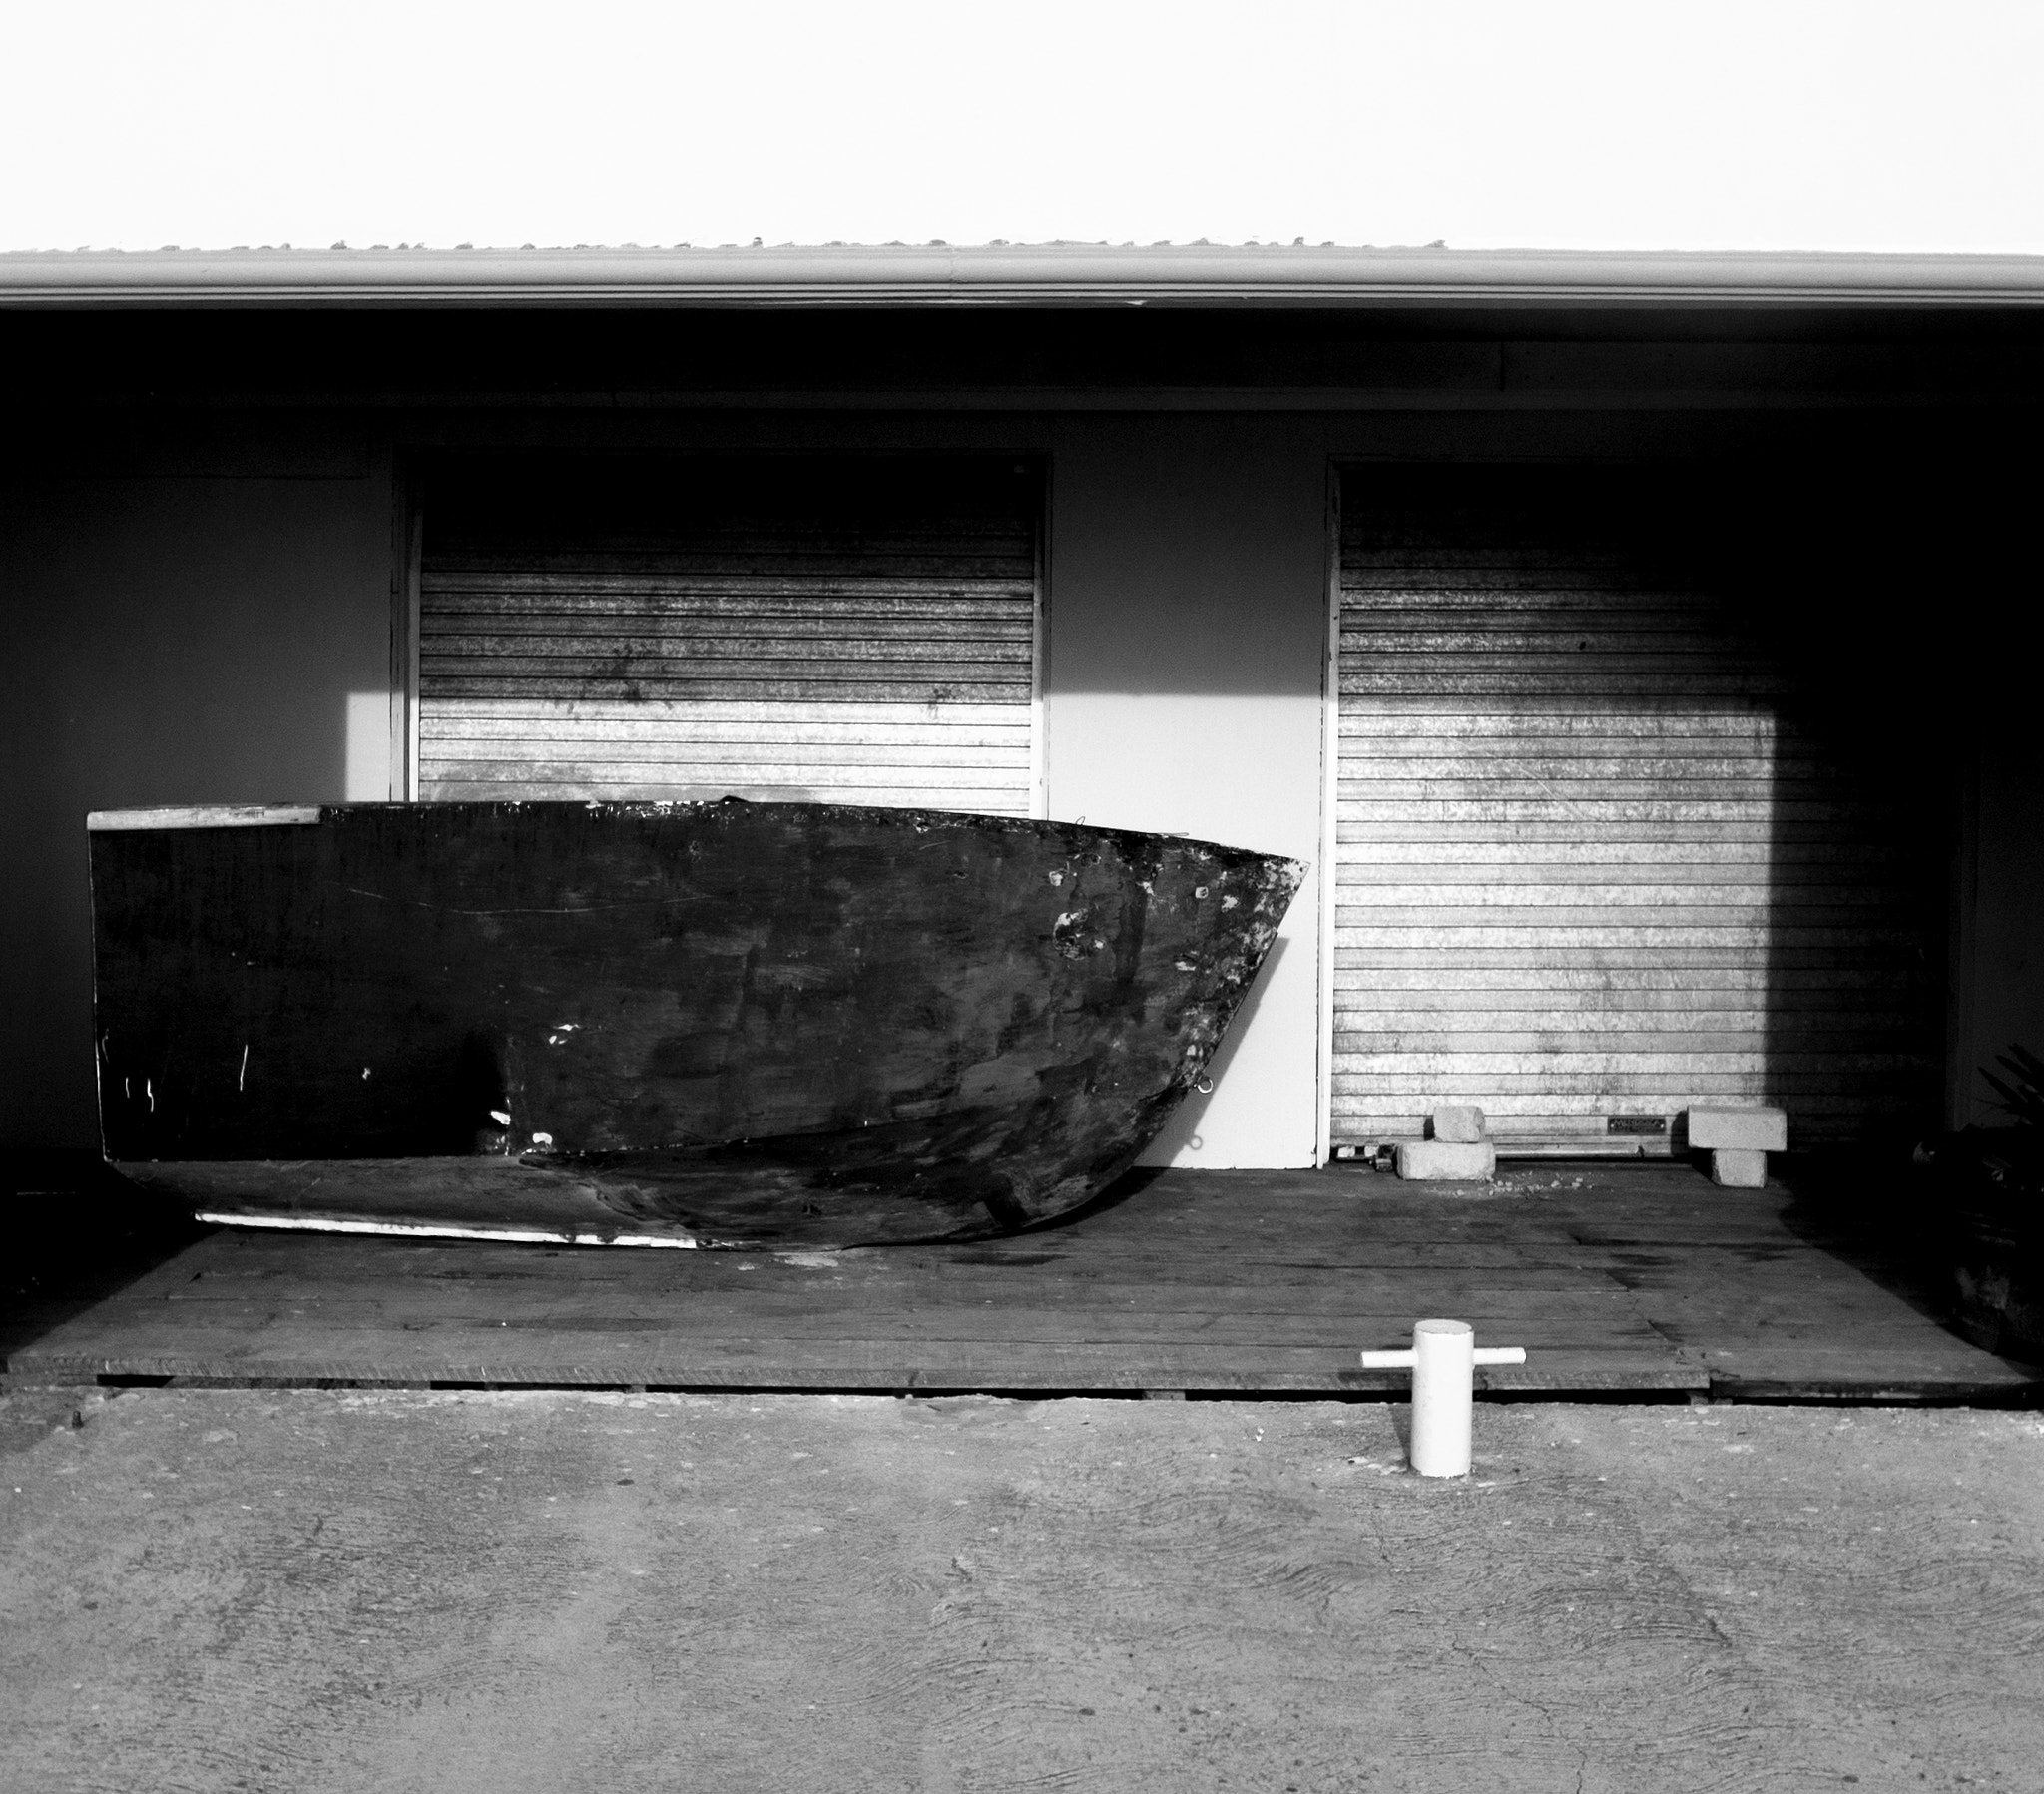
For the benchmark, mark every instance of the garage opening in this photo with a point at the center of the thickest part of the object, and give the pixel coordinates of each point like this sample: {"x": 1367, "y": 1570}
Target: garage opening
{"x": 1609, "y": 839}
{"x": 846, "y": 630}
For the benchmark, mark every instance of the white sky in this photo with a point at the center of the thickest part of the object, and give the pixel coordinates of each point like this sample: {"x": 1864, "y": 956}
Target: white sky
{"x": 1556, "y": 124}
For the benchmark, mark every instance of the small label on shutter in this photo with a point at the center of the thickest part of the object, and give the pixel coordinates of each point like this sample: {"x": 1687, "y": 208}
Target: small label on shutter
{"x": 1636, "y": 1125}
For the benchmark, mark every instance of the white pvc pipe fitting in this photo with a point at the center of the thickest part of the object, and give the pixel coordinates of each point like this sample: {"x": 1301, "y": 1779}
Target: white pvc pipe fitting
{"x": 1443, "y": 1361}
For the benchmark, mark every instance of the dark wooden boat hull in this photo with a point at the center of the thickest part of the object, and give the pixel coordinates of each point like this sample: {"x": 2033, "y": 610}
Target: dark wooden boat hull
{"x": 661, "y": 1024}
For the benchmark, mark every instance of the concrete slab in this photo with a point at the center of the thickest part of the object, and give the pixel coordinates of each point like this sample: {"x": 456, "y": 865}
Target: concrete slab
{"x": 1747, "y": 1129}
{"x": 1734, "y": 1168}
{"x": 1463, "y": 1122}
{"x": 314, "y": 1590}
{"x": 1446, "y": 1161}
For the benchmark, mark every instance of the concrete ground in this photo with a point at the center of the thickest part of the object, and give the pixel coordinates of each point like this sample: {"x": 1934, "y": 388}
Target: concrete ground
{"x": 339, "y": 1589}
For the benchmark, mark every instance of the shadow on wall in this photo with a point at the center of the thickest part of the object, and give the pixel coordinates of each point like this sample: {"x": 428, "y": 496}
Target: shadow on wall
{"x": 1181, "y": 1141}
{"x": 1188, "y": 560}
{"x": 171, "y": 641}
{"x": 1844, "y": 581}
{"x": 1612, "y": 841}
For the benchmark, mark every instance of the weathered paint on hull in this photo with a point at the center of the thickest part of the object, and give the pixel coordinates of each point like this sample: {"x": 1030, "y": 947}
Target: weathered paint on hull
{"x": 682, "y": 1024}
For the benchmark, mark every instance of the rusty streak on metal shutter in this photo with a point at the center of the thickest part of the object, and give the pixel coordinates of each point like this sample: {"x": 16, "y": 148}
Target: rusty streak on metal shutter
{"x": 853, "y": 631}
{"x": 1596, "y": 854}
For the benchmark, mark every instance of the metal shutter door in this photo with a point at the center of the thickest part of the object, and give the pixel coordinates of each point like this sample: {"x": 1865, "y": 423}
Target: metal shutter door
{"x": 1596, "y": 859}
{"x": 857, "y": 632}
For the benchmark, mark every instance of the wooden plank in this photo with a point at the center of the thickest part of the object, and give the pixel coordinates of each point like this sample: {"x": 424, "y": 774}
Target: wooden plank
{"x": 1604, "y": 753}
{"x": 1672, "y": 982}
{"x": 507, "y": 595}
{"x": 1589, "y": 820}
{"x": 1643, "y": 1010}
{"x": 736, "y": 686}
{"x": 934, "y": 773}
{"x": 710, "y": 732}
{"x": 798, "y": 632}
{"x": 1553, "y": 1302}
{"x": 1618, "y": 1278}
{"x": 511, "y": 657}
{"x": 983, "y": 801}
{"x": 857, "y": 714}
{"x": 203, "y": 815}
{"x": 965, "y": 746}
{"x": 708, "y": 559}
{"x": 1640, "y": 945}
{"x": 1586, "y": 836}
{"x": 1539, "y": 710}
{"x": 1738, "y": 860}
{"x": 1645, "y": 1051}
{"x": 1462, "y": 1084}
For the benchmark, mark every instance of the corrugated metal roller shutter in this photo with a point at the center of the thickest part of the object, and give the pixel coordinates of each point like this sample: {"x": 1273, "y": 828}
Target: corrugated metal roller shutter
{"x": 860, "y": 632}
{"x": 1598, "y": 855}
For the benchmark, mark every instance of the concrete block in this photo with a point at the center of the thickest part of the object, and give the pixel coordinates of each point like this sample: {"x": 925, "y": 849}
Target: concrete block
{"x": 1461, "y": 1122}
{"x": 1447, "y": 1162}
{"x": 1737, "y": 1167}
{"x": 1743, "y": 1130}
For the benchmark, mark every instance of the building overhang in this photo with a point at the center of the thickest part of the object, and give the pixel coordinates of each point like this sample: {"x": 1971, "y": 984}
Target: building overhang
{"x": 1053, "y": 275}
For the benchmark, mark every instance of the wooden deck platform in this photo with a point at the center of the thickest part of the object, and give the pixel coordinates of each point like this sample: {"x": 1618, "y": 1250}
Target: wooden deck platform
{"x": 1616, "y": 1279}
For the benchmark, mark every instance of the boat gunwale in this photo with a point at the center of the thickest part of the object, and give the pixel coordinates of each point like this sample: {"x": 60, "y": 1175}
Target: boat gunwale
{"x": 169, "y": 817}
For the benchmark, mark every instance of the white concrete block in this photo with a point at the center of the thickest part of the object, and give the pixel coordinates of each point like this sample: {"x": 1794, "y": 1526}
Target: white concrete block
{"x": 1743, "y": 1130}
{"x": 1447, "y": 1162}
{"x": 1737, "y": 1167}
{"x": 1460, "y": 1121}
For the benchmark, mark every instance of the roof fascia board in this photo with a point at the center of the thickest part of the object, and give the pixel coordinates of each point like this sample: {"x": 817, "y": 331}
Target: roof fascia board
{"x": 1063, "y": 276}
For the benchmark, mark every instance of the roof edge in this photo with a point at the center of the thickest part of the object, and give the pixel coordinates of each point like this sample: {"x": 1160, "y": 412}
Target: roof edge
{"x": 1053, "y": 275}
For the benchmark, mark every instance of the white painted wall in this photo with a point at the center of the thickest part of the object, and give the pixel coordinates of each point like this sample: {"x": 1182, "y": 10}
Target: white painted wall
{"x": 1186, "y": 632}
